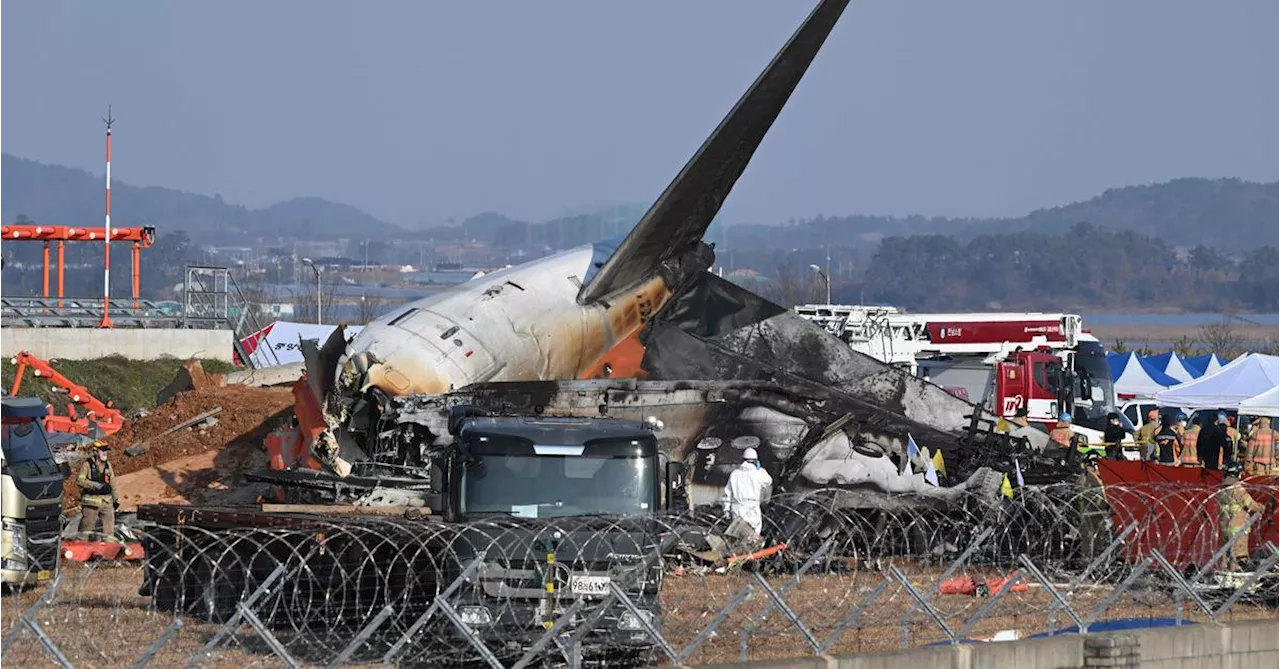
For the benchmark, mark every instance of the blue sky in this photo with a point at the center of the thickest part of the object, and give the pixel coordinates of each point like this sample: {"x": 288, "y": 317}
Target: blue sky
{"x": 421, "y": 111}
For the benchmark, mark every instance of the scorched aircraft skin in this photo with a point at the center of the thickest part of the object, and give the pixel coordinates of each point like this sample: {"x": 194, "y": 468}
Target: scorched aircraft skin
{"x": 558, "y": 318}
{"x": 646, "y": 307}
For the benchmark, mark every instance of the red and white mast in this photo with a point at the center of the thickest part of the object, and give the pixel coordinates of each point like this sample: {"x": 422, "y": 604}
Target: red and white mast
{"x": 106, "y": 269}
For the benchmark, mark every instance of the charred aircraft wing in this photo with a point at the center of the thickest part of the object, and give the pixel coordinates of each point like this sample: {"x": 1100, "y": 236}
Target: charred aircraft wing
{"x": 675, "y": 224}
{"x": 715, "y": 330}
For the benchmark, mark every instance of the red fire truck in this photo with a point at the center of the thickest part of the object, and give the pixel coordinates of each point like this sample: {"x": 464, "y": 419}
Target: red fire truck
{"x": 1044, "y": 362}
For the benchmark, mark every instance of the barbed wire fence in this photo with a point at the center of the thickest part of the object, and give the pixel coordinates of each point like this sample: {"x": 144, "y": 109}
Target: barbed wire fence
{"x": 510, "y": 592}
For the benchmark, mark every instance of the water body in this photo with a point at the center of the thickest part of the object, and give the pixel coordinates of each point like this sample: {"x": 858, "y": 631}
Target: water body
{"x": 1179, "y": 320}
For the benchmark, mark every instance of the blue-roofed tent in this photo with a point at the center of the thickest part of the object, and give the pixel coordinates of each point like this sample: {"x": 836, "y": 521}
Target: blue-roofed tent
{"x": 1170, "y": 363}
{"x": 1135, "y": 376}
{"x": 1199, "y": 365}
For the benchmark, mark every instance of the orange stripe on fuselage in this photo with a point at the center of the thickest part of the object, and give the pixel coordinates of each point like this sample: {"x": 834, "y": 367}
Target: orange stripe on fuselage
{"x": 627, "y": 318}
{"x": 623, "y": 360}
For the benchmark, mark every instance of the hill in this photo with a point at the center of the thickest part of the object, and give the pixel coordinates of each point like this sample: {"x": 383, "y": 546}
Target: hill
{"x": 62, "y": 195}
{"x": 1227, "y": 214}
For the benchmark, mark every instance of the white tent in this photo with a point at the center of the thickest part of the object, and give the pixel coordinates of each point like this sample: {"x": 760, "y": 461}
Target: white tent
{"x": 1241, "y": 379}
{"x": 1137, "y": 377}
{"x": 1262, "y": 404}
{"x": 1177, "y": 370}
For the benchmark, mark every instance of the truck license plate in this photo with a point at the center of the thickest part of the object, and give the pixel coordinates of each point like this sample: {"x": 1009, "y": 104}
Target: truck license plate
{"x": 44, "y": 574}
{"x": 589, "y": 585}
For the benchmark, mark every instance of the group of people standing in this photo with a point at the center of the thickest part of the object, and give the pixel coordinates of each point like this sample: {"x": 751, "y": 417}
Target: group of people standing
{"x": 1169, "y": 440}
{"x": 1217, "y": 445}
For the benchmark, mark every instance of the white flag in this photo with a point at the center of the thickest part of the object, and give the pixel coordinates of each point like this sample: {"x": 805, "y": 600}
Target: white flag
{"x": 912, "y": 451}
{"x": 1017, "y": 470}
{"x": 930, "y": 473}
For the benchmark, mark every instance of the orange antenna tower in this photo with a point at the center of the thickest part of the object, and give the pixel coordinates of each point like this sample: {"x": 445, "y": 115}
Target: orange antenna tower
{"x": 106, "y": 272}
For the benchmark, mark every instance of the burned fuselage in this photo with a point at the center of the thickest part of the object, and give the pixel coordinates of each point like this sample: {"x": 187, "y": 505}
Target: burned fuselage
{"x": 724, "y": 368}
{"x": 806, "y": 441}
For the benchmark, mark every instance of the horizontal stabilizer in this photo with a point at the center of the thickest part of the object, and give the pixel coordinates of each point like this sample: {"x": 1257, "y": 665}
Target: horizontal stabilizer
{"x": 679, "y": 218}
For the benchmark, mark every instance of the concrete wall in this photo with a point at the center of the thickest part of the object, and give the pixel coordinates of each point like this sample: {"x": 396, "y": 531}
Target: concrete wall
{"x": 1242, "y": 645}
{"x": 135, "y": 344}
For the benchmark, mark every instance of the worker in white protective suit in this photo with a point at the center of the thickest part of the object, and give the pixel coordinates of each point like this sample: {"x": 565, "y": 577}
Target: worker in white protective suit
{"x": 748, "y": 486}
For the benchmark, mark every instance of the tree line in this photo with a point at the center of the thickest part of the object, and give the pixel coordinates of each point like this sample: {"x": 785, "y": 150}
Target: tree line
{"x": 1087, "y": 268}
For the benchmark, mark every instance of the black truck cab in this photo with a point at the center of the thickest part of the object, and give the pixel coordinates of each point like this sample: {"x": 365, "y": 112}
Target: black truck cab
{"x": 557, "y": 509}
{"x": 552, "y": 467}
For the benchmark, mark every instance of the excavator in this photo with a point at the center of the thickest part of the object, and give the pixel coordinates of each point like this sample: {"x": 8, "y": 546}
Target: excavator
{"x": 99, "y": 418}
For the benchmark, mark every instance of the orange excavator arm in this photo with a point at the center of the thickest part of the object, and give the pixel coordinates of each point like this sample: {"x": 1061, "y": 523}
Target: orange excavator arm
{"x": 107, "y": 417}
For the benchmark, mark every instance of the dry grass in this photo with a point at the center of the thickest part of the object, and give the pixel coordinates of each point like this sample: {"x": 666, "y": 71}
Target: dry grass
{"x": 1259, "y": 338}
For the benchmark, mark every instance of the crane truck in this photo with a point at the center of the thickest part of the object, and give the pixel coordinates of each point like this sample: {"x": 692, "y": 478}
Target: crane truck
{"x": 1045, "y": 363}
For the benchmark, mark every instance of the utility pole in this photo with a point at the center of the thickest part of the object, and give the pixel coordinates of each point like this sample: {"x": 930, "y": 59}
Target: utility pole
{"x": 828, "y": 248}
{"x": 106, "y": 268}
{"x": 317, "y": 271}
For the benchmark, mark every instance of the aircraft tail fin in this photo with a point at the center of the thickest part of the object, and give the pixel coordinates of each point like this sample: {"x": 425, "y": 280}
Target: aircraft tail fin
{"x": 678, "y": 219}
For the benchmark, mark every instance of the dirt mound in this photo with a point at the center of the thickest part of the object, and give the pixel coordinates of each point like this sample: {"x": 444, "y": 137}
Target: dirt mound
{"x": 190, "y": 376}
{"x": 247, "y": 415}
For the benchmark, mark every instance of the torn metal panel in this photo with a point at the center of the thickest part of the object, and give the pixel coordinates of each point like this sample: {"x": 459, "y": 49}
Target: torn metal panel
{"x": 720, "y": 331}
{"x": 806, "y": 441}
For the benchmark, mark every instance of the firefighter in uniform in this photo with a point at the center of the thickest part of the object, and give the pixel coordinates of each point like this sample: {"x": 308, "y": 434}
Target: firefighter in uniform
{"x": 1091, "y": 503}
{"x": 1146, "y": 437}
{"x": 1261, "y": 454}
{"x": 1234, "y": 506}
{"x": 1190, "y": 457}
{"x": 1234, "y": 441}
{"x": 97, "y": 496}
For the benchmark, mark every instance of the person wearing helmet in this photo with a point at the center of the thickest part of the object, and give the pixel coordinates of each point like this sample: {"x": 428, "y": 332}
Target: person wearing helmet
{"x": 1234, "y": 506}
{"x": 1113, "y": 437}
{"x": 1233, "y": 437}
{"x": 1145, "y": 439}
{"x": 1092, "y": 507}
{"x": 1190, "y": 456}
{"x": 1180, "y": 423}
{"x": 1262, "y": 441}
{"x": 97, "y": 496}
{"x": 1061, "y": 433}
{"x": 748, "y": 486}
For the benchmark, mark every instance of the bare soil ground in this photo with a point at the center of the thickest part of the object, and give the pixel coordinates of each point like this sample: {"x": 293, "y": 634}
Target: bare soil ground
{"x": 183, "y": 464}
{"x": 98, "y": 619}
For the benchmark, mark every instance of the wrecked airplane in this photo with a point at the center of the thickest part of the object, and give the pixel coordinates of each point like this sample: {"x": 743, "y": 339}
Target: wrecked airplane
{"x": 720, "y": 366}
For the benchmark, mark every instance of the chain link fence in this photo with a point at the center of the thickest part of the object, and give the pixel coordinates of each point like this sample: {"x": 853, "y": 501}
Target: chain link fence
{"x": 511, "y": 592}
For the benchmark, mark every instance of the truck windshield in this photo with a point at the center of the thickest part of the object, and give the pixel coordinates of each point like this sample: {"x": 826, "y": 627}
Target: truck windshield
{"x": 24, "y": 441}
{"x": 1094, "y": 390}
{"x": 538, "y": 486}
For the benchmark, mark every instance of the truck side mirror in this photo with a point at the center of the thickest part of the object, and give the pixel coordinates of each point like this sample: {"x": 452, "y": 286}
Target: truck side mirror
{"x": 675, "y": 483}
